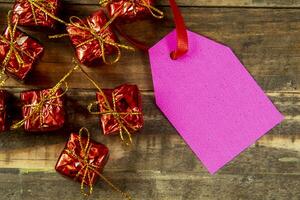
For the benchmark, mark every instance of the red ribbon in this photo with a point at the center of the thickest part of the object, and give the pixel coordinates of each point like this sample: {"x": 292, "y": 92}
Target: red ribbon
{"x": 182, "y": 38}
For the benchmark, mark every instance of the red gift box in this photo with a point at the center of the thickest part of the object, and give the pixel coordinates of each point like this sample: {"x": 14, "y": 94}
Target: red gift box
{"x": 125, "y": 100}
{"x": 29, "y": 12}
{"x": 82, "y": 156}
{"x": 19, "y": 58}
{"x": 131, "y": 10}
{"x": 50, "y": 115}
{"x": 86, "y": 35}
{"x": 3, "y": 100}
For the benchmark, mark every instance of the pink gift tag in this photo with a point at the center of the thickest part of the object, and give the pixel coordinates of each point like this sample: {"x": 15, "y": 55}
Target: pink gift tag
{"x": 210, "y": 98}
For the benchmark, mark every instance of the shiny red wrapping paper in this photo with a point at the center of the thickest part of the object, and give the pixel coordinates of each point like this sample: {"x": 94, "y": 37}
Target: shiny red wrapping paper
{"x": 3, "y": 101}
{"x": 127, "y": 99}
{"x": 71, "y": 165}
{"x": 22, "y": 43}
{"x": 129, "y": 10}
{"x": 50, "y": 118}
{"x": 23, "y": 13}
{"x": 91, "y": 53}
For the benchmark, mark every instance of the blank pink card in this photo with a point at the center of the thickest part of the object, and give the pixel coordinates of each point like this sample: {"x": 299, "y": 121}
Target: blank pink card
{"x": 210, "y": 98}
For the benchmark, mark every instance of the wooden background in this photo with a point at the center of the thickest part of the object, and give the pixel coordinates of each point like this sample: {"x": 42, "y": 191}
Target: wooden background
{"x": 265, "y": 34}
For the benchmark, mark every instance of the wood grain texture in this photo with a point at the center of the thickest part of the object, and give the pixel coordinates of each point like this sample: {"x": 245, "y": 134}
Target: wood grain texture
{"x": 157, "y": 186}
{"x": 157, "y": 146}
{"x": 264, "y": 34}
{"x": 251, "y": 33}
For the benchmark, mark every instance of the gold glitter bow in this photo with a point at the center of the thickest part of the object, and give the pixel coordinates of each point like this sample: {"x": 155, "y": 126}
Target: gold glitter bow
{"x": 44, "y": 100}
{"x": 154, "y": 11}
{"x": 44, "y": 6}
{"x": 13, "y": 49}
{"x": 87, "y": 167}
{"x": 37, "y": 108}
{"x": 119, "y": 116}
{"x": 97, "y": 35}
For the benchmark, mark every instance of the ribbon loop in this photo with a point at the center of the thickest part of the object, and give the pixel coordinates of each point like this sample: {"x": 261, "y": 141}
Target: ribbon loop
{"x": 81, "y": 132}
{"x": 182, "y": 37}
{"x": 88, "y": 167}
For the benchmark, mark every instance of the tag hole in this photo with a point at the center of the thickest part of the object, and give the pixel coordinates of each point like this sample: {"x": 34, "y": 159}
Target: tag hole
{"x": 172, "y": 55}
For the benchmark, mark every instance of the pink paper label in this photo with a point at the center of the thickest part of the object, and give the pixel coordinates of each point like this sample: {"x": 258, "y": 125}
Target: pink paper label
{"x": 210, "y": 98}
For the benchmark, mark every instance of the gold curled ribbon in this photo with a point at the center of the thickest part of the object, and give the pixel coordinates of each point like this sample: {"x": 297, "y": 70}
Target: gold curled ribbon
{"x": 13, "y": 49}
{"x": 119, "y": 116}
{"x": 43, "y": 5}
{"x": 87, "y": 167}
{"x": 97, "y": 35}
{"x": 37, "y": 108}
{"x": 154, "y": 11}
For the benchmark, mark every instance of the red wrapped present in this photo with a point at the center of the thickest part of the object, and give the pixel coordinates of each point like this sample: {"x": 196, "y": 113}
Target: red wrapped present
{"x": 124, "y": 112}
{"x": 131, "y": 10}
{"x": 18, "y": 58}
{"x": 42, "y": 111}
{"x": 36, "y": 12}
{"x": 3, "y": 100}
{"x": 94, "y": 39}
{"x": 82, "y": 159}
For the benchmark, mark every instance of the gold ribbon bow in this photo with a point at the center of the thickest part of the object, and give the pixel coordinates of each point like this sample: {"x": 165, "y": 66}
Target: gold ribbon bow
{"x": 43, "y": 5}
{"x": 87, "y": 167}
{"x": 13, "y": 49}
{"x": 154, "y": 11}
{"x": 97, "y": 35}
{"x": 37, "y": 108}
{"x": 45, "y": 99}
{"x": 119, "y": 116}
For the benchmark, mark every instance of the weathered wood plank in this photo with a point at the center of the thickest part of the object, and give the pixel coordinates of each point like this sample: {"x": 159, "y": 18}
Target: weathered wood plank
{"x": 212, "y": 3}
{"x": 272, "y": 154}
{"x": 154, "y": 186}
{"x": 266, "y": 41}
{"x": 158, "y": 146}
{"x": 160, "y": 165}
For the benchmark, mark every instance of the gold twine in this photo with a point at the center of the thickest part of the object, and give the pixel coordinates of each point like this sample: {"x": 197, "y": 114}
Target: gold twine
{"x": 119, "y": 116}
{"x": 37, "y": 108}
{"x": 13, "y": 50}
{"x": 87, "y": 166}
{"x": 154, "y": 11}
{"x": 41, "y": 5}
{"x": 96, "y": 36}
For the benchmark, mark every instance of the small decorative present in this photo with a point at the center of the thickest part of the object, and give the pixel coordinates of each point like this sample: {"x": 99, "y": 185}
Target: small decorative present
{"x": 82, "y": 159}
{"x": 43, "y": 110}
{"x": 131, "y": 10}
{"x": 18, "y": 52}
{"x": 51, "y": 115}
{"x": 3, "y": 101}
{"x": 36, "y": 12}
{"x": 94, "y": 39}
{"x": 120, "y": 110}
